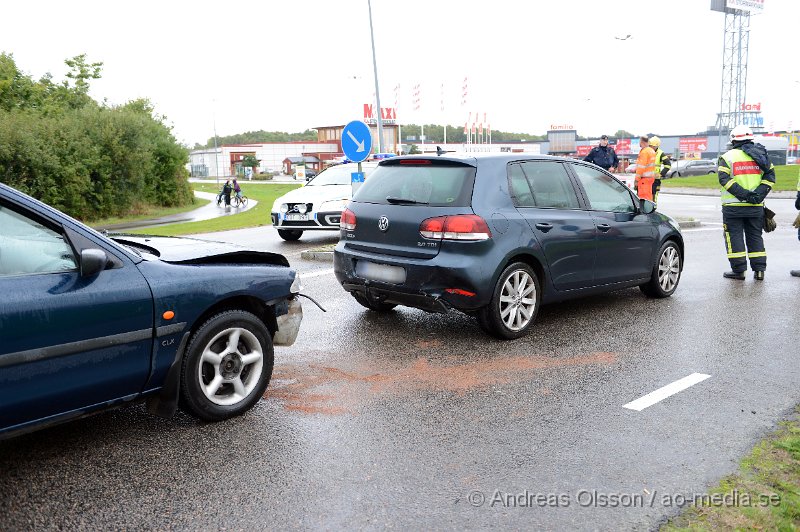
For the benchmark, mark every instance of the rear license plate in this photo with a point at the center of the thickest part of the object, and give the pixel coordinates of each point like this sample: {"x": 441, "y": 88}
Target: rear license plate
{"x": 297, "y": 217}
{"x": 380, "y": 272}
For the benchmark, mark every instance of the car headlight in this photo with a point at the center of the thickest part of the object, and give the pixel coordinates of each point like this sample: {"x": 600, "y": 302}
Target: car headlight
{"x": 297, "y": 284}
{"x": 302, "y": 208}
{"x": 284, "y": 208}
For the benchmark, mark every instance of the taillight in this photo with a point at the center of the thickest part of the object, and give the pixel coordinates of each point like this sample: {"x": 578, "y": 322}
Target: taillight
{"x": 459, "y": 227}
{"x": 348, "y": 221}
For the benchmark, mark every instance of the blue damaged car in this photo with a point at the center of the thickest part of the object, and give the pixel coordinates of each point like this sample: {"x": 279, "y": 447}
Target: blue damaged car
{"x": 89, "y": 322}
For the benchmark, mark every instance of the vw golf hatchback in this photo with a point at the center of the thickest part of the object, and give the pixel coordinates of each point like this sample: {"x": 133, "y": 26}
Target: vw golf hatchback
{"x": 497, "y": 235}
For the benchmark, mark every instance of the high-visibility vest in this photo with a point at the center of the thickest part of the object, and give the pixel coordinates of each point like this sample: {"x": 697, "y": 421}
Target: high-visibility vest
{"x": 646, "y": 163}
{"x": 659, "y": 166}
{"x": 745, "y": 172}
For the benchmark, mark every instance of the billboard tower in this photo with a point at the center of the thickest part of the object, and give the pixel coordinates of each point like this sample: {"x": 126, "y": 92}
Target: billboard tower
{"x": 735, "y": 44}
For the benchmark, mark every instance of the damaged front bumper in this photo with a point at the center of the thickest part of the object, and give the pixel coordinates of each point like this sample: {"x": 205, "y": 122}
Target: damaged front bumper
{"x": 289, "y": 323}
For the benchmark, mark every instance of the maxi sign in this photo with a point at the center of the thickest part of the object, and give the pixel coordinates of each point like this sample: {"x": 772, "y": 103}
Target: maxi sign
{"x": 388, "y": 114}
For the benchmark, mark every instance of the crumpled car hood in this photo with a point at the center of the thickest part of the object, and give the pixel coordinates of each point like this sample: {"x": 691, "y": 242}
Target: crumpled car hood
{"x": 181, "y": 250}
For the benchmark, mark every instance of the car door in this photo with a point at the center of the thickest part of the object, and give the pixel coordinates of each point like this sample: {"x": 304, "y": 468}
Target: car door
{"x": 67, "y": 342}
{"x": 625, "y": 237}
{"x": 546, "y": 198}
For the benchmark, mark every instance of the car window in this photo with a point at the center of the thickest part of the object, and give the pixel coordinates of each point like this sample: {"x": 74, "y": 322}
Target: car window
{"x": 550, "y": 185}
{"x": 27, "y": 246}
{"x": 603, "y": 191}
{"x": 520, "y": 190}
{"x": 437, "y": 184}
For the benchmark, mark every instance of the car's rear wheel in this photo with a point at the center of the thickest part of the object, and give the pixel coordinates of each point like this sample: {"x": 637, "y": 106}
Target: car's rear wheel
{"x": 666, "y": 272}
{"x": 290, "y": 235}
{"x": 514, "y": 304}
{"x": 373, "y": 305}
{"x": 227, "y": 366}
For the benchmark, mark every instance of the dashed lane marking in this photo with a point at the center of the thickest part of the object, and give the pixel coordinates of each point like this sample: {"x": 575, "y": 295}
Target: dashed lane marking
{"x": 669, "y": 390}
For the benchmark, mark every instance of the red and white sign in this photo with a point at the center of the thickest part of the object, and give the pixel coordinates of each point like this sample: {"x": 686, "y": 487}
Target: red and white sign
{"x": 693, "y": 144}
{"x": 751, "y": 107}
{"x": 622, "y": 147}
{"x": 388, "y": 114}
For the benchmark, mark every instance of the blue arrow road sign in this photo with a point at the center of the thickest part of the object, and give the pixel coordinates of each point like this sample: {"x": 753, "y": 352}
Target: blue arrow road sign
{"x": 356, "y": 141}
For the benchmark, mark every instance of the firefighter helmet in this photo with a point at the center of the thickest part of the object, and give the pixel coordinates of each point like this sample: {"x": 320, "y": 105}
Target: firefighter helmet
{"x": 741, "y": 133}
{"x": 654, "y": 141}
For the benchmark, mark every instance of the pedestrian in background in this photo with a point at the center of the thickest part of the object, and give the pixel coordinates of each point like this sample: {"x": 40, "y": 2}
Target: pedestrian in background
{"x": 663, "y": 164}
{"x": 645, "y": 169}
{"x": 603, "y": 155}
{"x": 746, "y": 176}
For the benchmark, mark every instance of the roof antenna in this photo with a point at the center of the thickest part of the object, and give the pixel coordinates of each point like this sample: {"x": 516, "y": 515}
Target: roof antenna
{"x": 439, "y": 150}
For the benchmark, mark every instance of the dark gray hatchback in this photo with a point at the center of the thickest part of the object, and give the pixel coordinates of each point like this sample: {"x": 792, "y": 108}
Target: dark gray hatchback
{"x": 497, "y": 235}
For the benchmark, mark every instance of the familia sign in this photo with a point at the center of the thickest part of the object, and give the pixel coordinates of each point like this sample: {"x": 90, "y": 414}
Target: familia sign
{"x": 388, "y": 114}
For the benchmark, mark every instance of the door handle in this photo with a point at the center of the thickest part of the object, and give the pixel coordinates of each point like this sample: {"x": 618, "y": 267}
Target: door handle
{"x": 604, "y": 227}
{"x": 544, "y": 226}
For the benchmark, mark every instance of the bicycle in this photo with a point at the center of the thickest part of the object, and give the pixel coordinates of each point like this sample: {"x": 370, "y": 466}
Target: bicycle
{"x": 239, "y": 201}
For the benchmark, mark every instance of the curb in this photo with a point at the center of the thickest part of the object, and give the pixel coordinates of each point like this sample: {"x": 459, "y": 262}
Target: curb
{"x": 320, "y": 256}
{"x": 688, "y": 224}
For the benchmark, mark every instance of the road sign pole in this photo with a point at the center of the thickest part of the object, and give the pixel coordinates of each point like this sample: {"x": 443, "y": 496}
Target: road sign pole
{"x": 377, "y": 92}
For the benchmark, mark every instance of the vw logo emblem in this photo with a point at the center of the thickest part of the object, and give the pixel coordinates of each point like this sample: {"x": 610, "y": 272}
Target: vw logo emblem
{"x": 383, "y": 223}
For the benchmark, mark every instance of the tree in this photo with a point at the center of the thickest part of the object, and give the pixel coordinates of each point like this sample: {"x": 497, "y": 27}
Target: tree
{"x": 621, "y": 134}
{"x": 250, "y": 161}
{"x": 81, "y": 71}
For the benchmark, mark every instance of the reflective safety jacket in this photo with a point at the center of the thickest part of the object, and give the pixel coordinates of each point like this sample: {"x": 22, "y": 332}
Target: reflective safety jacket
{"x": 739, "y": 176}
{"x": 646, "y": 163}
{"x": 663, "y": 163}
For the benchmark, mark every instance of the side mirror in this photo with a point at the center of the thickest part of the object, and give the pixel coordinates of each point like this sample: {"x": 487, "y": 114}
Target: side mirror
{"x": 647, "y": 206}
{"x": 93, "y": 261}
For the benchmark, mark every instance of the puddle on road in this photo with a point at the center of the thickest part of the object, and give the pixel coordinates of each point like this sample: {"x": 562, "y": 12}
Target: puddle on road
{"x": 319, "y": 389}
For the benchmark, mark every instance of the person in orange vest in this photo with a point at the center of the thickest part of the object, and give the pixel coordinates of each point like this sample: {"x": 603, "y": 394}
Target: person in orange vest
{"x": 645, "y": 169}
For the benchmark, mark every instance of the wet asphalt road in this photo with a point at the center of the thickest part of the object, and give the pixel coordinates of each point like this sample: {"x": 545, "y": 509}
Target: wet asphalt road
{"x": 411, "y": 420}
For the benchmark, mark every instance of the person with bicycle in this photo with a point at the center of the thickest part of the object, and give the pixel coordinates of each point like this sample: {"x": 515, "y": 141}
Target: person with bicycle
{"x": 226, "y": 193}
{"x": 237, "y": 189}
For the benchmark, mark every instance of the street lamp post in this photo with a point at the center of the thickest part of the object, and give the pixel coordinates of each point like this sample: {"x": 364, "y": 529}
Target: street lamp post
{"x": 377, "y": 93}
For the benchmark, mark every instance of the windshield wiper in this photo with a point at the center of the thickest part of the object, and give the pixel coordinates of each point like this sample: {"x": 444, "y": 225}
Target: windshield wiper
{"x": 404, "y": 201}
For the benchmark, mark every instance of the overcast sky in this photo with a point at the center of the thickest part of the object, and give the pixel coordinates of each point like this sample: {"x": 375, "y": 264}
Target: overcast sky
{"x": 297, "y": 64}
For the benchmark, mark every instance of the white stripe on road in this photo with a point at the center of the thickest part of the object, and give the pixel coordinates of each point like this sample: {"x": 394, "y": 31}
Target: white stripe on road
{"x": 315, "y": 274}
{"x": 662, "y": 393}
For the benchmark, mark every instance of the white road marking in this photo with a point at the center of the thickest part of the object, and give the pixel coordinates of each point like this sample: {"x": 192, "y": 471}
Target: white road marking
{"x": 701, "y": 229}
{"x": 320, "y": 273}
{"x": 662, "y": 393}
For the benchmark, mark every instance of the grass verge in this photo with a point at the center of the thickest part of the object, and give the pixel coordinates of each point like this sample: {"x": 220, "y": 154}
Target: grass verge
{"x": 150, "y": 213}
{"x": 257, "y": 216}
{"x": 764, "y": 495}
{"x": 785, "y": 179}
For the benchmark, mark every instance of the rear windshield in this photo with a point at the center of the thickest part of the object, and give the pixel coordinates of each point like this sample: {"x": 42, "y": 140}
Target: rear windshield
{"x": 435, "y": 184}
{"x": 338, "y": 175}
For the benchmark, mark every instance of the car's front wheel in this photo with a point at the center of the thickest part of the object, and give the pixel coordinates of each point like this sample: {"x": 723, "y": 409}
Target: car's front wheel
{"x": 514, "y": 304}
{"x": 227, "y": 366}
{"x": 666, "y": 272}
{"x": 290, "y": 235}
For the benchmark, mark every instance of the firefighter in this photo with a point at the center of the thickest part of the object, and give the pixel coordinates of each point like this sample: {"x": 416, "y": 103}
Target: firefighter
{"x": 645, "y": 169}
{"x": 663, "y": 164}
{"x": 746, "y": 176}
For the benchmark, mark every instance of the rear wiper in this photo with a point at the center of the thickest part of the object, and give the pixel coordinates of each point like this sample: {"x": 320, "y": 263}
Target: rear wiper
{"x": 404, "y": 201}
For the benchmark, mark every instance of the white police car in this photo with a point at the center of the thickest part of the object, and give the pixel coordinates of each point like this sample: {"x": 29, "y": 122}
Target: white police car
{"x": 318, "y": 205}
